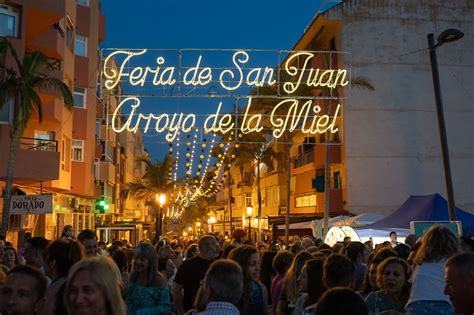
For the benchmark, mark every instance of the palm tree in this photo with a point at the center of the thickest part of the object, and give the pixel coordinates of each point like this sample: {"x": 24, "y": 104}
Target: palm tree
{"x": 155, "y": 181}
{"x": 22, "y": 86}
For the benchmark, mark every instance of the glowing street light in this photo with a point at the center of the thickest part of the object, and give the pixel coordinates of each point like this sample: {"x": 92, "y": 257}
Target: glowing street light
{"x": 249, "y": 215}
{"x": 161, "y": 199}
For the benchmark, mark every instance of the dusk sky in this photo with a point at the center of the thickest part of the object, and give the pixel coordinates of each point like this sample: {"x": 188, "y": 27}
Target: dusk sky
{"x": 248, "y": 24}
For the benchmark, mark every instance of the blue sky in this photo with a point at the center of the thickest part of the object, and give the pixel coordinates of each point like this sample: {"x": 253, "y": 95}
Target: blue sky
{"x": 222, "y": 24}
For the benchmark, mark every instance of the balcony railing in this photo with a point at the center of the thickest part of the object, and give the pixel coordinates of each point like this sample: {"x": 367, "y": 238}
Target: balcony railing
{"x": 305, "y": 158}
{"x": 37, "y": 144}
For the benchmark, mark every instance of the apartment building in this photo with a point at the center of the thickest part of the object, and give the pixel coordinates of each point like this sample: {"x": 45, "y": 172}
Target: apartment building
{"x": 57, "y": 156}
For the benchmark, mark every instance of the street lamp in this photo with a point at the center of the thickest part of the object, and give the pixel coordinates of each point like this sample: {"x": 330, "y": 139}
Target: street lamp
{"x": 161, "y": 199}
{"x": 449, "y": 35}
{"x": 198, "y": 224}
{"x": 249, "y": 215}
{"x": 212, "y": 220}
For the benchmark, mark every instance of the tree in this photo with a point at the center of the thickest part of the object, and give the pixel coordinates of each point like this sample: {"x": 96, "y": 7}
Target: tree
{"x": 22, "y": 85}
{"x": 154, "y": 181}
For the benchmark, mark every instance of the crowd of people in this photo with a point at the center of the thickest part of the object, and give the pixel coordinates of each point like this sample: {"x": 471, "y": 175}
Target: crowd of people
{"x": 211, "y": 276}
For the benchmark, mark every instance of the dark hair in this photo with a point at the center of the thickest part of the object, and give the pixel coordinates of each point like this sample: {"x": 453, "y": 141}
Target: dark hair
{"x": 393, "y": 232}
{"x": 354, "y": 249}
{"x": 282, "y": 261}
{"x": 341, "y": 301}
{"x": 65, "y": 254}
{"x": 162, "y": 263}
{"x": 65, "y": 228}
{"x": 86, "y": 235}
{"x": 463, "y": 263}
{"x": 38, "y": 242}
{"x": 241, "y": 255}
{"x": 402, "y": 250}
{"x": 17, "y": 260}
{"x": 41, "y": 284}
{"x": 376, "y": 259}
{"x": 121, "y": 259}
{"x": 227, "y": 250}
{"x": 316, "y": 288}
{"x": 266, "y": 270}
{"x": 339, "y": 271}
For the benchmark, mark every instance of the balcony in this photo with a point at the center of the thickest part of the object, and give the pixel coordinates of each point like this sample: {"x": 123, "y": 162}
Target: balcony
{"x": 36, "y": 159}
{"x": 305, "y": 158}
{"x": 106, "y": 172}
{"x": 50, "y": 42}
{"x": 40, "y": 15}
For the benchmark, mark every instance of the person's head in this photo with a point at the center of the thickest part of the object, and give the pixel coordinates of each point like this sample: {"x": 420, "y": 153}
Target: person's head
{"x": 239, "y": 235}
{"x": 223, "y": 282}
{"x": 339, "y": 271}
{"x": 93, "y": 287}
{"x": 67, "y": 231}
{"x": 10, "y": 257}
{"x": 307, "y": 242}
{"x": 370, "y": 283}
{"x": 23, "y": 291}
{"x": 296, "y": 247}
{"x": 411, "y": 240}
{"x": 393, "y": 236}
{"x": 121, "y": 259}
{"x": 282, "y": 261}
{"x": 266, "y": 268}
{"x": 357, "y": 252}
{"x": 338, "y": 248}
{"x": 402, "y": 250}
{"x": 145, "y": 261}
{"x": 293, "y": 273}
{"x": 34, "y": 250}
{"x": 347, "y": 239}
{"x": 341, "y": 301}
{"x": 437, "y": 244}
{"x": 459, "y": 278}
{"x": 392, "y": 276}
{"x": 88, "y": 238}
{"x": 227, "y": 249}
{"x": 208, "y": 247}
{"x": 310, "y": 280}
{"x": 248, "y": 259}
{"x": 166, "y": 267}
{"x": 192, "y": 251}
{"x": 60, "y": 256}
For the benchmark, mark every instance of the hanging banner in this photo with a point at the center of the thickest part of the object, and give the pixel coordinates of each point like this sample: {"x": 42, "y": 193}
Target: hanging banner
{"x": 225, "y": 92}
{"x": 31, "y": 204}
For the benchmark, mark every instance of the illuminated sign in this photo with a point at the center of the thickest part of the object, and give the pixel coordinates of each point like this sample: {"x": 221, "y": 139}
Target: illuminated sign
{"x": 301, "y": 85}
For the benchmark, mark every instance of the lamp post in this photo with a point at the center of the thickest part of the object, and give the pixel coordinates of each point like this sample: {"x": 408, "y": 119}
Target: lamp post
{"x": 449, "y": 35}
{"x": 161, "y": 198}
{"x": 249, "y": 216}
{"x": 212, "y": 220}
{"x": 198, "y": 224}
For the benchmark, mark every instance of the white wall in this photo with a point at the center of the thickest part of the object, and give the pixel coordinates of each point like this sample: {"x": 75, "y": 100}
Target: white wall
{"x": 391, "y": 135}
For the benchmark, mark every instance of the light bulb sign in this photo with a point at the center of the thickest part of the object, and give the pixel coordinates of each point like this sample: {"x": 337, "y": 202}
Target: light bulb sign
{"x": 239, "y": 92}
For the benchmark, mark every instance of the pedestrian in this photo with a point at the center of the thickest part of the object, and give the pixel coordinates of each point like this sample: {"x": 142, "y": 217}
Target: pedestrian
{"x": 459, "y": 276}
{"x": 370, "y": 282}
{"x": 59, "y": 257}
{"x": 392, "y": 279}
{"x": 310, "y": 282}
{"x": 88, "y": 238}
{"x": 338, "y": 271}
{"x": 289, "y": 291}
{"x": 93, "y": 287}
{"x": 254, "y": 300}
{"x": 358, "y": 253}
{"x": 393, "y": 239}
{"x": 341, "y": 301}
{"x": 427, "y": 291}
{"x": 34, "y": 250}
{"x": 222, "y": 287}
{"x": 267, "y": 272}
{"x": 10, "y": 257}
{"x": 23, "y": 291}
{"x": 239, "y": 237}
{"x": 147, "y": 290}
{"x": 121, "y": 259}
{"x": 281, "y": 263}
{"x": 66, "y": 235}
{"x": 191, "y": 251}
{"x": 191, "y": 272}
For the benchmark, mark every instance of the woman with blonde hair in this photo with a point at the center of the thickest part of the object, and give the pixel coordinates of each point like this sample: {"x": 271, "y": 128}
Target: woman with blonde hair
{"x": 289, "y": 292}
{"x": 427, "y": 292}
{"x": 93, "y": 287}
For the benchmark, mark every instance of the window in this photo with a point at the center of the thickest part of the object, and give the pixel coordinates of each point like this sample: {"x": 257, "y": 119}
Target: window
{"x": 6, "y": 113}
{"x": 271, "y": 196}
{"x": 306, "y": 201}
{"x": 8, "y": 21}
{"x": 77, "y": 150}
{"x": 248, "y": 200}
{"x": 96, "y": 169}
{"x": 80, "y": 45}
{"x": 97, "y": 129}
{"x": 44, "y": 141}
{"x": 69, "y": 33}
{"x": 337, "y": 180}
{"x": 83, "y": 2}
{"x": 79, "y": 97}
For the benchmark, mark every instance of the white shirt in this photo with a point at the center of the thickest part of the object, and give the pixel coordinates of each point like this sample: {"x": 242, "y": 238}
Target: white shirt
{"x": 428, "y": 283}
